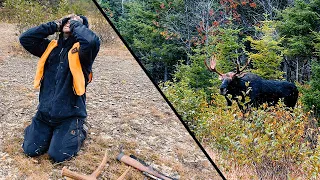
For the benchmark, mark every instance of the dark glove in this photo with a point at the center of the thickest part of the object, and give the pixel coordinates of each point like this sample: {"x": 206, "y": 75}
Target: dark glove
{"x": 77, "y": 18}
{"x": 61, "y": 22}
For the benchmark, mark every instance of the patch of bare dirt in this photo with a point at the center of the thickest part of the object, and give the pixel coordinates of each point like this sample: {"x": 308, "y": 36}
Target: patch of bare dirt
{"x": 124, "y": 108}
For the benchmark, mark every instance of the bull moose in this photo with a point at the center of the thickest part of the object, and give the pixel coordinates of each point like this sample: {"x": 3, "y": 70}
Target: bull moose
{"x": 240, "y": 84}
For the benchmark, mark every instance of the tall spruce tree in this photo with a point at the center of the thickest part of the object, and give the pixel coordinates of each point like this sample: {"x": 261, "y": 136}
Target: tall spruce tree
{"x": 296, "y": 25}
{"x": 156, "y": 48}
{"x": 267, "y": 57}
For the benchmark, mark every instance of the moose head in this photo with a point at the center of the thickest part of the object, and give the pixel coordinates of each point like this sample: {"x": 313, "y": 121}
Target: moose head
{"x": 229, "y": 80}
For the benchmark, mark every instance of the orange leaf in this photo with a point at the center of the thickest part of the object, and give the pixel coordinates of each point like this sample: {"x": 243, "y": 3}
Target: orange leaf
{"x": 215, "y": 23}
{"x": 253, "y": 5}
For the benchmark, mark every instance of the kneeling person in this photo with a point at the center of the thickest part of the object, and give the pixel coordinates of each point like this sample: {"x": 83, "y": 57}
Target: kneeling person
{"x": 63, "y": 72}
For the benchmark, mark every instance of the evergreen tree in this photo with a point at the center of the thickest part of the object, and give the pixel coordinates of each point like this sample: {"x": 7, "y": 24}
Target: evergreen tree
{"x": 268, "y": 54}
{"x": 296, "y": 25}
{"x": 154, "y": 46}
{"x": 228, "y": 48}
{"x": 311, "y": 94}
{"x": 114, "y": 9}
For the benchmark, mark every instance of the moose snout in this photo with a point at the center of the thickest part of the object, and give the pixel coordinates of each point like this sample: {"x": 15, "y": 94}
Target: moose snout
{"x": 223, "y": 91}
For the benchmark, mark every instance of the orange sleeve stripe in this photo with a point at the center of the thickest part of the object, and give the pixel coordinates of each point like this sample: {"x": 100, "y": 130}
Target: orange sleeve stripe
{"x": 76, "y": 70}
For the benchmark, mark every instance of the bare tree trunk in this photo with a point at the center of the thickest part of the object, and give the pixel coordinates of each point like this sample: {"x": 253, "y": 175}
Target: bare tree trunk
{"x": 297, "y": 69}
{"x": 308, "y": 69}
{"x": 165, "y": 77}
{"x": 285, "y": 69}
{"x": 290, "y": 2}
{"x": 290, "y": 69}
{"x": 122, "y": 7}
{"x": 303, "y": 73}
{"x": 207, "y": 25}
{"x": 188, "y": 33}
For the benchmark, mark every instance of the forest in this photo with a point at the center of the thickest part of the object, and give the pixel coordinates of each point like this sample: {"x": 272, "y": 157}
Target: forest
{"x": 125, "y": 110}
{"x": 280, "y": 39}
{"x": 172, "y": 38}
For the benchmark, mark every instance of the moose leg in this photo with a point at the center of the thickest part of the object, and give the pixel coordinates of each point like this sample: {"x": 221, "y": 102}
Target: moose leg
{"x": 243, "y": 100}
{"x": 240, "y": 106}
{"x": 229, "y": 103}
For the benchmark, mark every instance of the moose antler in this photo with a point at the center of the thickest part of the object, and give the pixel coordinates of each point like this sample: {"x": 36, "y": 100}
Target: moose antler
{"x": 238, "y": 66}
{"x": 212, "y": 66}
{"x": 93, "y": 176}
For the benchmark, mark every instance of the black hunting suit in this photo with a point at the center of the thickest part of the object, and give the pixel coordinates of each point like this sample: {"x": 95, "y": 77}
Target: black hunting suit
{"x": 58, "y": 125}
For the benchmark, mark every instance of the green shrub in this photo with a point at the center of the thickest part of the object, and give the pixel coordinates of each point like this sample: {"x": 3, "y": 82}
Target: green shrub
{"x": 311, "y": 92}
{"x": 27, "y": 14}
{"x": 190, "y": 104}
{"x": 101, "y": 27}
{"x": 270, "y": 139}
